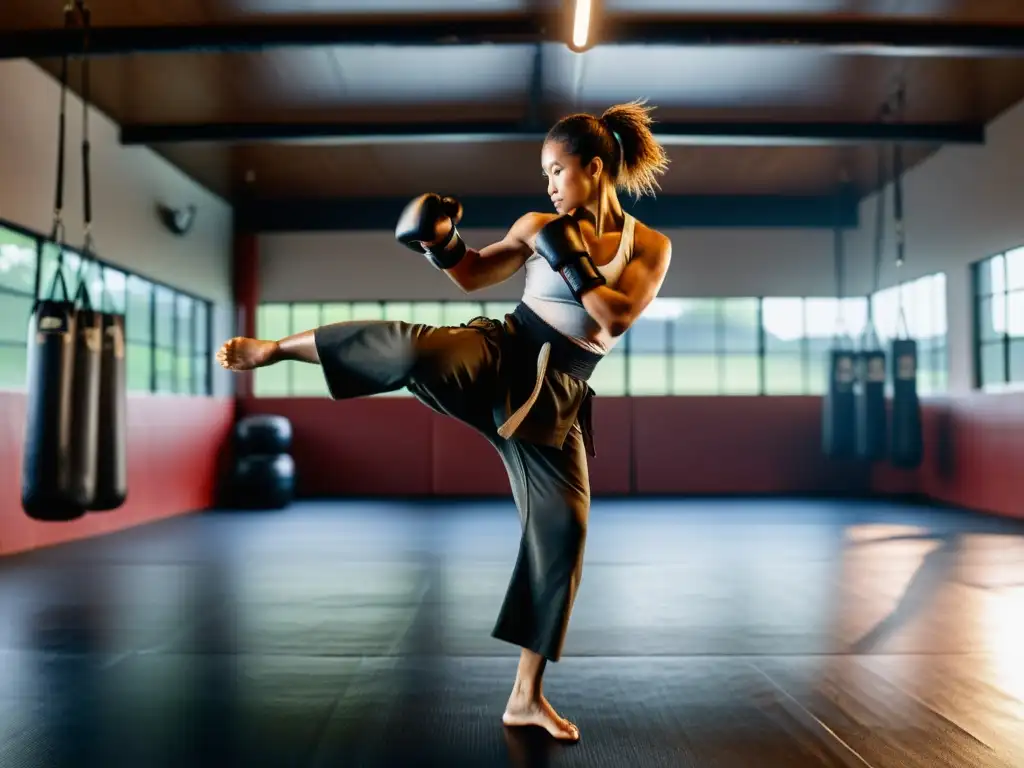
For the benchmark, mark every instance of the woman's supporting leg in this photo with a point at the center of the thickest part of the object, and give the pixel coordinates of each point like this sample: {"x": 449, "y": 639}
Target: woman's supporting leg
{"x": 552, "y": 491}
{"x": 453, "y": 370}
{"x": 527, "y": 705}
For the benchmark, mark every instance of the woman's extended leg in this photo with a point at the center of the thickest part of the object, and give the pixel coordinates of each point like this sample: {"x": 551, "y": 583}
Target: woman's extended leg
{"x": 450, "y": 369}
{"x": 244, "y": 354}
{"x": 552, "y": 491}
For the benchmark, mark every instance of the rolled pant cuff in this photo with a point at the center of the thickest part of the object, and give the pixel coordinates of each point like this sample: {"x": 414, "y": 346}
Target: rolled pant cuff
{"x": 550, "y": 651}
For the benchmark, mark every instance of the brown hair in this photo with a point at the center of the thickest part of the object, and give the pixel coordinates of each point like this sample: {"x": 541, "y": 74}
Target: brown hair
{"x": 622, "y": 138}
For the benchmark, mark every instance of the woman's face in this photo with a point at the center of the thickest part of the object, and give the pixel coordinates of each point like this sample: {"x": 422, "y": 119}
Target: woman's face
{"x": 569, "y": 184}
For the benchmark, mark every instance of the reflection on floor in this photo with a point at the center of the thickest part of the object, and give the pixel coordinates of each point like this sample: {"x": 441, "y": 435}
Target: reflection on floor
{"x": 707, "y": 633}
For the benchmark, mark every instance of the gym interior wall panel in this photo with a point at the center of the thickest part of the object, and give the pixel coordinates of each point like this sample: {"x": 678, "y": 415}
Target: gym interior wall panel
{"x": 127, "y": 185}
{"x": 463, "y": 463}
{"x": 727, "y": 445}
{"x": 676, "y": 445}
{"x": 176, "y": 449}
{"x": 614, "y": 438}
{"x": 361, "y": 266}
{"x": 973, "y": 456}
{"x": 735, "y": 445}
{"x": 371, "y": 266}
{"x": 367, "y": 447}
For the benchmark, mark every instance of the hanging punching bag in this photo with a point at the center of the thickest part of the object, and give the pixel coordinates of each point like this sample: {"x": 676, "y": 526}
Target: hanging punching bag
{"x": 49, "y": 491}
{"x": 837, "y": 418}
{"x": 871, "y": 417}
{"x": 907, "y": 449}
{"x": 838, "y": 405}
{"x": 47, "y": 487}
{"x": 112, "y": 465}
{"x": 907, "y": 442}
{"x": 110, "y": 487}
{"x": 85, "y": 401}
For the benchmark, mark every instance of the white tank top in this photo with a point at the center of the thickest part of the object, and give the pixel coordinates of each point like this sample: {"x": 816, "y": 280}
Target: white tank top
{"x": 547, "y": 294}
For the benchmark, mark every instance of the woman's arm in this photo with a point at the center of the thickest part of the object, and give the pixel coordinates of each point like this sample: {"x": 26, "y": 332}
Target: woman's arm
{"x": 496, "y": 263}
{"x": 616, "y": 309}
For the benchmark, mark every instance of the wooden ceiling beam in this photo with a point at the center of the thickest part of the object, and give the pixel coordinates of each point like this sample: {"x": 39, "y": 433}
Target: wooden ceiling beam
{"x": 884, "y": 37}
{"x": 839, "y": 210}
{"x": 780, "y": 133}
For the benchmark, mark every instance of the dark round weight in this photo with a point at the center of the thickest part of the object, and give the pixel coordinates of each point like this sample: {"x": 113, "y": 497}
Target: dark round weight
{"x": 266, "y": 434}
{"x": 264, "y": 481}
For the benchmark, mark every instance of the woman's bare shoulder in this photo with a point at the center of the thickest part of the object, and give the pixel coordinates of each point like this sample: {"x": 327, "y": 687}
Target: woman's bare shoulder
{"x": 529, "y": 224}
{"x": 535, "y": 220}
{"x": 651, "y": 240}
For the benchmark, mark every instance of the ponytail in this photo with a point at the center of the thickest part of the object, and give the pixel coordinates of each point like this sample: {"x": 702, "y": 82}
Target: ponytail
{"x": 642, "y": 159}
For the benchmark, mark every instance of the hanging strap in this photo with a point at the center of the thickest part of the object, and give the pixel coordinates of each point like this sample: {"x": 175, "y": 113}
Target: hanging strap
{"x": 902, "y": 329}
{"x": 869, "y": 339}
{"x": 57, "y": 232}
{"x": 841, "y": 336}
{"x": 82, "y": 295}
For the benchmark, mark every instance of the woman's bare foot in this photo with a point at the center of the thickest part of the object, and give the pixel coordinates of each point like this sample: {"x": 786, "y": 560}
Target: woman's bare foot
{"x": 242, "y": 354}
{"x": 535, "y": 710}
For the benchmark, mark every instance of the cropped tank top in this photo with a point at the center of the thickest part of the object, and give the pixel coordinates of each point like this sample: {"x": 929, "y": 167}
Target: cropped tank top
{"x": 547, "y": 294}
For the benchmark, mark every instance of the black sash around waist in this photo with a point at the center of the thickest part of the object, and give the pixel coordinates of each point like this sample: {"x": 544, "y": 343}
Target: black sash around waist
{"x": 566, "y": 355}
{"x": 538, "y": 343}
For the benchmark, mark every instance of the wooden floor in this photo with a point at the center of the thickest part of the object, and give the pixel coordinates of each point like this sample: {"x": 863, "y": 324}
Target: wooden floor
{"x": 753, "y": 633}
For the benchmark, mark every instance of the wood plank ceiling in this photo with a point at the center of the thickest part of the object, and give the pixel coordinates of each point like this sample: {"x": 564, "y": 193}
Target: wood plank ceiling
{"x": 420, "y": 84}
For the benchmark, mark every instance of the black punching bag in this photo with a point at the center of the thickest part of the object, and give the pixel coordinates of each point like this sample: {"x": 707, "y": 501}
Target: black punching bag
{"x": 872, "y": 420}
{"x": 47, "y": 489}
{"x": 837, "y": 425}
{"x": 264, "y": 481}
{"x": 907, "y": 443}
{"x": 112, "y": 464}
{"x": 85, "y": 404}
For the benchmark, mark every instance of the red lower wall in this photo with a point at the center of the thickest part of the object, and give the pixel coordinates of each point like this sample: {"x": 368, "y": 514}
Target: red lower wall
{"x": 175, "y": 449}
{"x": 685, "y": 445}
{"x": 718, "y": 445}
{"x": 974, "y": 455}
{"x": 385, "y": 446}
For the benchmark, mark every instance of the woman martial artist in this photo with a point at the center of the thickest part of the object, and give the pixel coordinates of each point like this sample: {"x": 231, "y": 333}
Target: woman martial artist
{"x": 591, "y": 270}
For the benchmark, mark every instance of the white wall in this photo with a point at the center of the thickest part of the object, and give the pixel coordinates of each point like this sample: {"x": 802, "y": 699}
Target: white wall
{"x": 372, "y": 266}
{"x": 961, "y": 205}
{"x": 127, "y": 183}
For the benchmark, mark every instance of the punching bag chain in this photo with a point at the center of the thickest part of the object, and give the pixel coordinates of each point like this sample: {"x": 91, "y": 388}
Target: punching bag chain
{"x": 870, "y": 332}
{"x": 838, "y": 253}
{"x": 902, "y": 330}
{"x": 57, "y": 232}
{"x": 87, "y": 242}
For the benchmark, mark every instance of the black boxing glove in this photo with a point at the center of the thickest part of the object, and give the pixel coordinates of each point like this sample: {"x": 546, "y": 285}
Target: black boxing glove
{"x": 561, "y": 244}
{"x": 420, "y": 222}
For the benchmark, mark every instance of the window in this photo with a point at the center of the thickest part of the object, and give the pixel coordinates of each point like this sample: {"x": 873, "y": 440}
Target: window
{"x": 167, "y": 332}
{"x": 999, "y": 319}
{"x": 202, "y": 381}
{"x": 17, "y": 287}
{"x": 707, "y": 346}
{"x": 798, "y": 334}
{"x": 138, "y": 323}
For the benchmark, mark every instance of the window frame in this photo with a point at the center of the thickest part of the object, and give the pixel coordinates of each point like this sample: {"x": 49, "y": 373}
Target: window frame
{"x": 205, "y": 387}
{"x": 1005, "y": 339}
{"x": 284, "y": 385}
